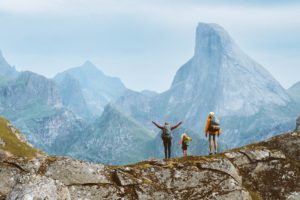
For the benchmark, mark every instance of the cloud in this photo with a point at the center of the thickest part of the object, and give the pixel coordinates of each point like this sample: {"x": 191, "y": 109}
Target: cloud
{"x": 168, "y": 12}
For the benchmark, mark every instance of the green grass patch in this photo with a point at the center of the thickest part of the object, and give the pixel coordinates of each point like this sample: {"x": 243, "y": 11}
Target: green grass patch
{"x": 12, "y": 144}
{"x": 255, "y": 195}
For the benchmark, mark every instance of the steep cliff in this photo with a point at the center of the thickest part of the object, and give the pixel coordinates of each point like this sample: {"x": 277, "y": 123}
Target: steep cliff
{"x": 6, "y": 71}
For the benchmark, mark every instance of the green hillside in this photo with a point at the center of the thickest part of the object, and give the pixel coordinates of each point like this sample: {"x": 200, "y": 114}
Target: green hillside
{"x": 10, "y": 143}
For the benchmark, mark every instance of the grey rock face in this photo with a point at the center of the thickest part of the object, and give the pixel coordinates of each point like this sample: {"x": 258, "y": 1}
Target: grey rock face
{"x": 114, "y": 138}
{"x": 225, "y": 166}
{"x": 29, "y": 88}
{"x": 33, "y": 104}
{"x": 74, "y": 172}
{"x": 123, "y": 179}
{"x": 6, "y": 71}
{"x": 72, "y": 96}
{"x": 8, "y": 176}
{"x": 38, "y": 187}
{"x": 53, "y": 132}
{"x": 97, "y": 88}
{"x": 136, "y": 105}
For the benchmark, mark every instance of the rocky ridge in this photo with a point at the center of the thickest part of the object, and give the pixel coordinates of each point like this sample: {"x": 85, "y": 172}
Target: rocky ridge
{"x": 6, "y": 71}
{"x": 265, "y": 170}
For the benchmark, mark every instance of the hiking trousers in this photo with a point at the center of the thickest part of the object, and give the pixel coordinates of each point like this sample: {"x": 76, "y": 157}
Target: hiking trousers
{"x": 167, "y": 146}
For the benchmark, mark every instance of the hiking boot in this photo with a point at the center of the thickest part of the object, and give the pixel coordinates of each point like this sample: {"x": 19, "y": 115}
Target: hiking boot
{"x": 210, "y": 153}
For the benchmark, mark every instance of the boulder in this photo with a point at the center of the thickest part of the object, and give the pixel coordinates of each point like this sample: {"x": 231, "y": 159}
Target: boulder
{"x": 124, "y": 179}
{"x": 8, "y": 176}
{"x": 38, "y": 187}
{"x": 223, "y": 165}
{"x": 72, "y": 172}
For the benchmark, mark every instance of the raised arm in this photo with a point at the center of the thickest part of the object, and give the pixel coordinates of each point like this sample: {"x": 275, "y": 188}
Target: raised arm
{"x": 176, "y": 126}
{"x": 157, "y": 125}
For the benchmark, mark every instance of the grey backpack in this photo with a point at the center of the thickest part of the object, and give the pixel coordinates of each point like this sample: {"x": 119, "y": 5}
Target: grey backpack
{"x": 214, "y": 125}
{"x": 166, "y": 132}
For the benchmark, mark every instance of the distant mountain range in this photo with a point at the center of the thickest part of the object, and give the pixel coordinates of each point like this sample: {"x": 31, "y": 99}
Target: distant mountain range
{"x": 96, "y": 88}
{"x": 114, "y": 138}
{"x": 86, "y": 114}
{"x": 32, "y": 102}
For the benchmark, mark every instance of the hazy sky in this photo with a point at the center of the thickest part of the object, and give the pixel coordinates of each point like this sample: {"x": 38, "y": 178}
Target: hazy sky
{"x": 144, "y": 42}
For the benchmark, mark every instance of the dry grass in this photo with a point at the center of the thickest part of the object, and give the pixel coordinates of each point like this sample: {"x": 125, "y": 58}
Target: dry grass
{"x": 12, "y": 144}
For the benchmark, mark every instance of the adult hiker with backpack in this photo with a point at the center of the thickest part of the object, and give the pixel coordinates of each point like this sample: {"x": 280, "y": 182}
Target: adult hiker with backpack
{"x": 212, "y": 129}
{"x": 166, "y": 136}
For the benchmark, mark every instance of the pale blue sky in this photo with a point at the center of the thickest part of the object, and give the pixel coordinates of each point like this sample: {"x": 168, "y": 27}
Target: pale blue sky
{"x": 144, "y": 42}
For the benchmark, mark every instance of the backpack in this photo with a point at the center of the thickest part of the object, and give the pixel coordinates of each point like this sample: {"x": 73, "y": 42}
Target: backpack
{"x": 166, "y": 132}
{"x": 214, "y": 125}
{"x": 187, "y": 141}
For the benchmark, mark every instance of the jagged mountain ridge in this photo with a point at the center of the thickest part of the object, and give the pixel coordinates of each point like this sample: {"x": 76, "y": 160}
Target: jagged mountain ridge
{"x": 114, "y": 138}
{"x": 6, "y": 71}
{"x": 29, "y": 89}
{"x": 236, "y": 174}
{"x": 72, "y": 96}
{"x": 98, "y": 89}
{"x": 33, "y": 104}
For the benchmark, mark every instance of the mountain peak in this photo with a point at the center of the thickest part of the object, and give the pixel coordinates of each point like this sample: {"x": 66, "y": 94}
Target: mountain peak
{"x": 5, "y": 69}
{"x": 89, "y": 64}
{"x": 212, "y": 39}
{"x": 3, "y": 62}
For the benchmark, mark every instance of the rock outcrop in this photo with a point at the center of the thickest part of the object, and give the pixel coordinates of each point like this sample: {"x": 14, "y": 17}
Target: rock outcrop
{"x": 266, "y": 170}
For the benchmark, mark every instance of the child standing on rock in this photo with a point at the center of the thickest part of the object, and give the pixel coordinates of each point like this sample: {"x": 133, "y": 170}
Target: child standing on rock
{"x": 185, "y": 139}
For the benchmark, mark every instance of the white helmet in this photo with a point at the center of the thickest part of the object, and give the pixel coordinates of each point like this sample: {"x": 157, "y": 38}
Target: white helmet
{"x": 211, "y": 114}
